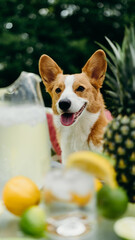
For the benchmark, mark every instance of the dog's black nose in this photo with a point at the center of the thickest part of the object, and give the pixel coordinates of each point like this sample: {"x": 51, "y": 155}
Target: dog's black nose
{"x": 64, "y": 104}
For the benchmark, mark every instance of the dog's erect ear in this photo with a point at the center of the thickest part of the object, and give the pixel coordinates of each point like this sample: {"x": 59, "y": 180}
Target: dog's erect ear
{"x": 95, "y": 68}
{"x": 48, "y": 69}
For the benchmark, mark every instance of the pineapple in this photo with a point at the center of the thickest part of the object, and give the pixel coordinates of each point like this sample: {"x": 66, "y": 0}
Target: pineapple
{"x": 119, "y": 138}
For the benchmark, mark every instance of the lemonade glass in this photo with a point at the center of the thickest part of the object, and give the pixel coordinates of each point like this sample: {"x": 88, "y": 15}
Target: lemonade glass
{"x": 70, "y": 203}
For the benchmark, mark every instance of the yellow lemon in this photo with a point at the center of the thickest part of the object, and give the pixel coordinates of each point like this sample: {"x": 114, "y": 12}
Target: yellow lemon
{"x": 98, "y": 185}
{"x": 95, "y": 164}
{"x": 20, "y": 193}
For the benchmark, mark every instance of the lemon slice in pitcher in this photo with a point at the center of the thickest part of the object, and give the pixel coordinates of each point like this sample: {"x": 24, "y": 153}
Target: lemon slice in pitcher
{"x": 95, "y": 164}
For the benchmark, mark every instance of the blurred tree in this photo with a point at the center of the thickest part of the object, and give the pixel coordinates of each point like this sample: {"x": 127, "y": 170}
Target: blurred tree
{"x": 65, "y": 30}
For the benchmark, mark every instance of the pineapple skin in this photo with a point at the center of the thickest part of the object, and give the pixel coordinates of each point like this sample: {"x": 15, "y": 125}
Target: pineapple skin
{"x": 119, "y": 143}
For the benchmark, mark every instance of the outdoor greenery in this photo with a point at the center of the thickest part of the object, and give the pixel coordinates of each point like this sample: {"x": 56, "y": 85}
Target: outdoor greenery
{"x": 66, "y": 30}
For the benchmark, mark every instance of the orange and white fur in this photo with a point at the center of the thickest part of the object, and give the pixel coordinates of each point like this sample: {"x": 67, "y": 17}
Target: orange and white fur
{"x": 77, "y": 103}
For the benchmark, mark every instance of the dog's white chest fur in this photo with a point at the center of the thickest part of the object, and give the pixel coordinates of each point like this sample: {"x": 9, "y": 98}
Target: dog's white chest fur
{"x": 75, "y": 137}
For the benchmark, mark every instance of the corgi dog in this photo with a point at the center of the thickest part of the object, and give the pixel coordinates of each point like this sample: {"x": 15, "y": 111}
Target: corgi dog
{"x": 77, "y": 103}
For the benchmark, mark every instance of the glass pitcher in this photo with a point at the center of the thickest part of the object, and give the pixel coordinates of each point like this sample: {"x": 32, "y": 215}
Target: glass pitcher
{"x": 24, "y": 136}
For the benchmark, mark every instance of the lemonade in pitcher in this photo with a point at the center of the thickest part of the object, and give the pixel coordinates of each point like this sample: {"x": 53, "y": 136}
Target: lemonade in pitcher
{"x": 24, "y": 137}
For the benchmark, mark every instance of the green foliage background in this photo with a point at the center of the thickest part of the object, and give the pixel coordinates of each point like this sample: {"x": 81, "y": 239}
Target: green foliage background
{"x": 66, "y": 30}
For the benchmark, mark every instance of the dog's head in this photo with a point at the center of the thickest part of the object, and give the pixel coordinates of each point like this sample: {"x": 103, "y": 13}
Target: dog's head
{"x": 73, "y": 94}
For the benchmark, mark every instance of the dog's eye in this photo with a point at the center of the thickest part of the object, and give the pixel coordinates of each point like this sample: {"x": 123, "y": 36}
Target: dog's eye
{"x": 80, "y": 89}
{"x": 57, "y": 90}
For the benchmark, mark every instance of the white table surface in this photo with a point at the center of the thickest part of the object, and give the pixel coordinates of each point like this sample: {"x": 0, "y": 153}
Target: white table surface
{"x": 9, "y": 227}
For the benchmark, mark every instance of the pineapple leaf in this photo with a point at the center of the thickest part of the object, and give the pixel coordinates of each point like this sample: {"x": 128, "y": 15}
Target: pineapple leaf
{"x": 112, "y": 68}
{"x": 133, "y": 83}
{"x": 108, "y": 52}
{"x": 115, "y": 50}
{"x": 132, "y": 50}
{"x": 112, "y": 94}
{"x": 120, "y": 80}
{"x": 111, "y": 85}
{"x": 117, "y": 81}
{"x": 110, "y": 79}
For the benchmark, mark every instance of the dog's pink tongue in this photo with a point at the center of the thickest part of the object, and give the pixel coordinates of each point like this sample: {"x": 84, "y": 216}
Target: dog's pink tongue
{"x": 67, "y": 119}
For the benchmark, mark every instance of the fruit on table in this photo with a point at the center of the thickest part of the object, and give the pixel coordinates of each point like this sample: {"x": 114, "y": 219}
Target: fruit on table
{"x": 119, "y": 140}
{"x": 98, "y": 185}
{"x": 33, "y": 221}
{"x": 122, "y": 148}
{"x": 125, "y": 228}
{"x": 112, "y": 203}
{"x": 20, "y": 193}
{"x": 93, "y": 163}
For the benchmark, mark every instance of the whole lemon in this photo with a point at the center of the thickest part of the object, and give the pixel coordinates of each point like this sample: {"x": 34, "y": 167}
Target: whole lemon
{"x": 19, "y": 194}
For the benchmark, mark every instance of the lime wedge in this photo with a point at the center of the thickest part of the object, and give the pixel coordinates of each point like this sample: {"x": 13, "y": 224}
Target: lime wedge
{"x": 125, "y": 228}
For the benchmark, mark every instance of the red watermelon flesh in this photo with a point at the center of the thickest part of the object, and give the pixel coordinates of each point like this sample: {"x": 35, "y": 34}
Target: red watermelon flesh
{"x": 52, "y": 133}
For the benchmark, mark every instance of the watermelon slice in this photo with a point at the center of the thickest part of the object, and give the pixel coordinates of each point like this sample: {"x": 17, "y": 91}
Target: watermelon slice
{"x": 52, "y": 133}
{"x": 108, "y": 115}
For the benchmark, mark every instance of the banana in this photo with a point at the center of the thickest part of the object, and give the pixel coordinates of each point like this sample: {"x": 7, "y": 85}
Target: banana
{"x": 95, "y": 164}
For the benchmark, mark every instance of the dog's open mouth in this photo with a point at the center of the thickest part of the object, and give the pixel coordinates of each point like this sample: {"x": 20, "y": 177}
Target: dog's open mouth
{"x": 68, "y": 119}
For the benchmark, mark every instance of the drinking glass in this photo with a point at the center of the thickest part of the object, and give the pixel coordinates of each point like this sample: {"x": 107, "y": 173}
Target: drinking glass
{"x": 69, "y": 197}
